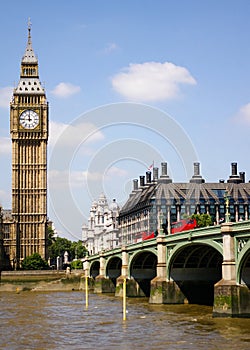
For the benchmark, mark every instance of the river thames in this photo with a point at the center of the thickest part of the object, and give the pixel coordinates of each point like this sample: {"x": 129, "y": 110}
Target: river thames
{"x": 60, "y": 320}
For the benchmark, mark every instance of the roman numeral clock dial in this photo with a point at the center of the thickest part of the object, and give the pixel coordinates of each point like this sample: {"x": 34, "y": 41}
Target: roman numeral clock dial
{"x": 29, "y": 119}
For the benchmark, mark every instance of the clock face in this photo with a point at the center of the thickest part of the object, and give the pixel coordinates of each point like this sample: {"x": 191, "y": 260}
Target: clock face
{"x": 29, "y": 119}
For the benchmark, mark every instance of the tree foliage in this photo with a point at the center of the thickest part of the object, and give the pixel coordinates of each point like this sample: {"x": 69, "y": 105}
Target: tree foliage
{"x": 202, "y": 220}
{"x": 51, "y": 238}
{"x": 61, "y": 245}
{"x": 77, "y": 250}
{"x": 76, "y": 264}
{"x": 34, "y": 262}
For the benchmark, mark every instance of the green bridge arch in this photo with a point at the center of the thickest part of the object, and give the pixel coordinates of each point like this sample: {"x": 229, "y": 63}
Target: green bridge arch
{"x": 243, "y": 259}
{"x": 173, "y": 251}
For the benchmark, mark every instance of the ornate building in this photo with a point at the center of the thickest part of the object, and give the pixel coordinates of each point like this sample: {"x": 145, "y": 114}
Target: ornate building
{"x": 29, "y": 135}
{"x": 101, "y": 232}
{"x": 174, "y": 201}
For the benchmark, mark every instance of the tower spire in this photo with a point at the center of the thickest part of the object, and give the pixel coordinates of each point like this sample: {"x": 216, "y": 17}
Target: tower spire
{"x": 29, "y": 82}
{"x": 29, "y": 30}
{"x": 29, "y": 55}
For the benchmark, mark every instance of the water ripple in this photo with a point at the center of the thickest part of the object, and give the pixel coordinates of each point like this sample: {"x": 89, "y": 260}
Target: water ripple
{"x": 61, "y": 321}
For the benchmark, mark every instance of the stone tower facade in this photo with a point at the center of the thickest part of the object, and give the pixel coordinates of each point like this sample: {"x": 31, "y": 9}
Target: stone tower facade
{"x": 29, "y": 135}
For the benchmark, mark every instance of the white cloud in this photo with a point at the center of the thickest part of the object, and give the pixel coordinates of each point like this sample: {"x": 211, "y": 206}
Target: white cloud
{"x": 67, "y": 134}
{"x": 110, "y": 48}
{"x": 65, "y": 90}
{"x": 243, "y": 114}
{"x": 5, "y": 199}
{"x": 114, "y": 172}
{"x": 55, "y": 130}
{"x": 5, "y": 96}
{"x": 151, "y": 81}
{"x": 61, "y": 179}
{"x": 5, "y": 145}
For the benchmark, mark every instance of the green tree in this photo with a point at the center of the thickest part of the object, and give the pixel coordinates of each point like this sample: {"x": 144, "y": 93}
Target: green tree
{"x": 202, "y": 220}
{"x": 51, "y": 238}
{"x": 59, "y": 247}
{"x": 34, "y": 262}
{"x": 77, "y": 250}
{"x": 76, "y": 264}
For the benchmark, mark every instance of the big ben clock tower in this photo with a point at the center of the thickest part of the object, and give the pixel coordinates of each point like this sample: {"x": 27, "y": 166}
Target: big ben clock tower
{"x": 29, "y": 134}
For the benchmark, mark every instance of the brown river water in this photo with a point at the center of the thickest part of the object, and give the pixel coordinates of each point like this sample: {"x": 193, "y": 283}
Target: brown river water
{"x": 60, "y": 320}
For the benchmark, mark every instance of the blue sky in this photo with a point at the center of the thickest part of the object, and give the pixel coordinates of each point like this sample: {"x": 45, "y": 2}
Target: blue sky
{"x": 186, "y": 59}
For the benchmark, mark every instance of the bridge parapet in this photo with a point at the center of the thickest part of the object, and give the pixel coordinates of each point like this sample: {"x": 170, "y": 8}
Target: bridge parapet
{"x": 241, "y": 226}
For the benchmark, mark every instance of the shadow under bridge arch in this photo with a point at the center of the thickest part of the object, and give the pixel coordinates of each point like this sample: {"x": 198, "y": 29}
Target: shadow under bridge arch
{"x": 113, "y": 269}
{"x": 143, "y": 270}
{"x": 195, "y": 269}
{"x": 94, "y": 269}
{"x": 244, "y": 269}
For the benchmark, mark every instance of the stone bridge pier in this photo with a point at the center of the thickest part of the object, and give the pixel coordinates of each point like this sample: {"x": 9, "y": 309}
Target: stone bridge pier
{"x": 231, "y": 299}
{"x": 133, "y": 288}
{"x": 102, "y": 283}
{"x": 164, "y": 291}
{"x": 124, "y": 273}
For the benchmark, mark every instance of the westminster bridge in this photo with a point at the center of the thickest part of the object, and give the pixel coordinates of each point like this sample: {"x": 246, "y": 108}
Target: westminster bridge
{"x": 207, "y": 266}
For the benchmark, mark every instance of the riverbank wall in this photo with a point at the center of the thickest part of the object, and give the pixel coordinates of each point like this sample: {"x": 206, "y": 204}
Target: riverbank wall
{"x": 44, "y": 280}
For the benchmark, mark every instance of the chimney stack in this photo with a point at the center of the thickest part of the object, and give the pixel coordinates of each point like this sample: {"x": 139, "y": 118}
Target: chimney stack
{"x": 164, "y": 169}
{"x": 234, "y": 178}
{"x": 197, "y": 178}
{"x": 164, "y": 178}
{"x": 196, "y": 169}
{"x": 142, "y": 180}
{"x": 234, "y": 169}
{"x": 155, "y": 174}
{"x": 242, "y": 176}
{"x": 135, "y": 185}
{"x": 148, "y": 177}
